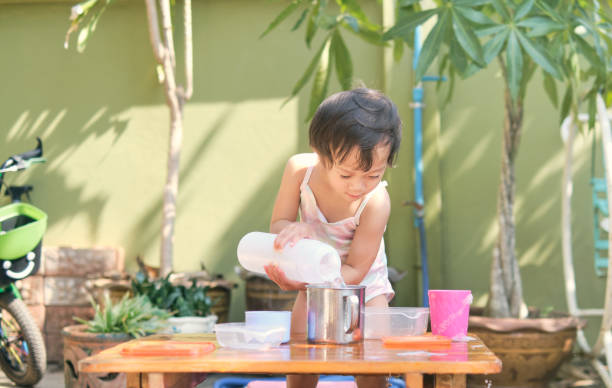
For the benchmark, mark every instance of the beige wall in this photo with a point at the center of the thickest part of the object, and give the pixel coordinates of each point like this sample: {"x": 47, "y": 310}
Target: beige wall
{"x": 104, "y": 122}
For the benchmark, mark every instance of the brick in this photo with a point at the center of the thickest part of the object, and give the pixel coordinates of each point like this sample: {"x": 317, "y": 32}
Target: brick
{"x": 38, "y": 313}
{"x": 68, "y": 261}
{"x": 32, "y": 289}
{"x": 58, "y": 317}
{"x": 65, "y": 291}
{"x": 54, "y": 343}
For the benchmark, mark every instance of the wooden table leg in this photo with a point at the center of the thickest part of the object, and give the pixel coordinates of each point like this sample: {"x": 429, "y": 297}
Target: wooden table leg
{"x": 414, "y": 380}
{"x": 133, "y": 380}
{"x": 449, "y": 381}
{"x": 164, "y": 380}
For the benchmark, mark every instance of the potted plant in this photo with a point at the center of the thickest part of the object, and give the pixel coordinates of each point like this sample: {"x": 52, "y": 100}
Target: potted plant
{"x": 113, "y": 323}
{"x": 568, "y": 40}
{"x": 189, "y": 305}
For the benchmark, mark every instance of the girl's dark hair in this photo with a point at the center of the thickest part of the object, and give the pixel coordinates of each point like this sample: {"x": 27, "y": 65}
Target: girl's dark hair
{"x": 358, "y": 117}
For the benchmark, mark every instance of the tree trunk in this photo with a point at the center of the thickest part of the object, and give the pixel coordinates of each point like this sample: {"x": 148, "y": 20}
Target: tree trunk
{"x": 506, "y": 296}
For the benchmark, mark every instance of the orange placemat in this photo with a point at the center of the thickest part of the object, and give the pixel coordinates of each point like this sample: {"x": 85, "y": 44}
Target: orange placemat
{"x": 167, "y": 348}
{"x": 426, "y": 341}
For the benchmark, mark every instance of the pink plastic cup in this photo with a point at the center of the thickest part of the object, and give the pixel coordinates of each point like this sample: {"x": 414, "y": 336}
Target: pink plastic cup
{"x": 449, "y": 311}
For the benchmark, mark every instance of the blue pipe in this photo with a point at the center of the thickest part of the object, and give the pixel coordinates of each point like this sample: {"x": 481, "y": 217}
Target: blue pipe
{"x": 417, "y": 105}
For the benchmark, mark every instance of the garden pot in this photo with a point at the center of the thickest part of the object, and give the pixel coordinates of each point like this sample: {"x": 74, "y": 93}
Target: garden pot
{"x": 264, "y": 294}
{"x": 79, "y": 344}
{"x": 531, "y": 349}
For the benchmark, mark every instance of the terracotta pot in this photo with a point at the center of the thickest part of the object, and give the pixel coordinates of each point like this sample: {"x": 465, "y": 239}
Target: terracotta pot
{"x": 531, "y": 349}
{"x": 79, "y": 344}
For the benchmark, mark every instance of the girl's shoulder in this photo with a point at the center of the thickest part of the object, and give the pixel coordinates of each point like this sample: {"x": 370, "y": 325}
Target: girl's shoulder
{"x": 378, "y": 206}
{"x": 298, "y": 164}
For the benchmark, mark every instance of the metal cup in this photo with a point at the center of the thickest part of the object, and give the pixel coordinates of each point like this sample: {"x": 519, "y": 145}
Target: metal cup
{"x": 335, "y": 314}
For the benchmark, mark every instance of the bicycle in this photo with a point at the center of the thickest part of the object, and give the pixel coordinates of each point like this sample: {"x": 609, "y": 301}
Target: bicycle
{"x": 23, "y": 356}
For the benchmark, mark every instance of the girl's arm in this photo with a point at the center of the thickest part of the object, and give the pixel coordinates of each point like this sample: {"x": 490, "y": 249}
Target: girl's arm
{"x": 284, "y": 216}
{"x": 368, "y": 235}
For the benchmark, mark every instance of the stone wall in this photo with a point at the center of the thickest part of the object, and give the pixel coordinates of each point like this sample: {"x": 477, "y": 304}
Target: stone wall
{"x": 56, "y": 294}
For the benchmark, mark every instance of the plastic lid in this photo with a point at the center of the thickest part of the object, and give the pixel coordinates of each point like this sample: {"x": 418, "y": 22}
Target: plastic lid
{"x": 167, "y": 348}
{"x": 427, "y": 341}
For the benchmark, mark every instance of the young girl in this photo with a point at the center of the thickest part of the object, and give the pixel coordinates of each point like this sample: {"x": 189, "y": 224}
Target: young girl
{"x": 341, "y": 199}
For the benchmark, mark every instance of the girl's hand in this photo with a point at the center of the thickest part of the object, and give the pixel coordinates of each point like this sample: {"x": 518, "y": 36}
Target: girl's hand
{"x": 293, "y": 233}
{"x": 278, "y": 276}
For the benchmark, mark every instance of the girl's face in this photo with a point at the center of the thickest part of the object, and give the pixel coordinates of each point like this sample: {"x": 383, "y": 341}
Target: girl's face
{"x": 349, "y": 181}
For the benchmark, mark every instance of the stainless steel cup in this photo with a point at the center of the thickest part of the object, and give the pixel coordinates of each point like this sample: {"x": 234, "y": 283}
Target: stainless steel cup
{"x": 335, "y": 314}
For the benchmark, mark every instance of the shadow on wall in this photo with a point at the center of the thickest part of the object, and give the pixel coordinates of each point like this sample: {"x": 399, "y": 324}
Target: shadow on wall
{"x": 60, "y": 199}
{"x": 145, "y": 232}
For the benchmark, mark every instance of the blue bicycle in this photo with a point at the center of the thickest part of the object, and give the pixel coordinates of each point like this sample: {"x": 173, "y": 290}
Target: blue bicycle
{"x": 23, "y": 357}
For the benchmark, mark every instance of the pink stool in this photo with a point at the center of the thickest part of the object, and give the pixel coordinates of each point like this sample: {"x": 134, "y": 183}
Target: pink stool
{"x": 283, "y": 384}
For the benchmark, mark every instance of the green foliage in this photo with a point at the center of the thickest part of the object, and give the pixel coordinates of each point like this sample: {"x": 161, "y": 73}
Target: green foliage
{"x": 85, "y": 15}
{"x": 570, "y": 41}
{"x": 134, "y": 316}
{"x": 182, "y": 301}
{"x": 333, "y": 53}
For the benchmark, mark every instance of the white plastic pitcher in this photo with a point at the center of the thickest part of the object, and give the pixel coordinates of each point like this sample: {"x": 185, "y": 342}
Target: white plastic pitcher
{"x": 308, "y": 261}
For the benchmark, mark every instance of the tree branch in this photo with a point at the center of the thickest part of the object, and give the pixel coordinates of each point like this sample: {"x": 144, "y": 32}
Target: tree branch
{"x": 158, "y": 48}
{"x": 164, "y": 6}
{"x": 188, "y": 51}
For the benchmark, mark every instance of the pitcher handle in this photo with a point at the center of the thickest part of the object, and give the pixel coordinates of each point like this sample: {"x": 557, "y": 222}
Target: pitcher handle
{"x": 351, "y": 314}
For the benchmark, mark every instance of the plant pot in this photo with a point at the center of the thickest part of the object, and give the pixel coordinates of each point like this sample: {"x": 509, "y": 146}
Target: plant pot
{"x": 531, "y": 349}
{"x": 191, "y": 325}
{"x": 79, "y": 344}
{"x": 264, "y": 294}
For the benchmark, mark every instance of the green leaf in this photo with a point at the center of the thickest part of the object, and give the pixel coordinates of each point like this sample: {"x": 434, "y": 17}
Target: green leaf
{"x": 280, "y": 17}
{"x": 457, "y": 57}
{"x": 567, "y": 102}
{"x": 490, "y": 30}
{"x": 523, "y": 9}
{"x": 538, "y": 54}
{"x": 501, "y": 9}
{"x": 321, "y": 80}
{"x": 404, "y": 27}
{"x": 353, "y": 8}
{"x": 592, "y": 109}
{"x": 431, "y": 46}
{"x": 344, "y": 65}
{"x": 367, "y": 34}
{"x": 82, "y": 38}
{"x": 471, "y": 3}
{"x": 548, "y": 10}
{"x": 311, "y": 25}
{"x": 398, "y": 49}
{"x": 540, "y": 26}
{"x": 514, "y": 64}
{"x": 308, "y": 73}
{"x": 588, "y": 51}
{"x": 474, "y": 15}
{"x": 466, "y": 38}
{"x": 494, "y": 45}
{"x": 298, "y": 23}
{"x": 550, "y": 86}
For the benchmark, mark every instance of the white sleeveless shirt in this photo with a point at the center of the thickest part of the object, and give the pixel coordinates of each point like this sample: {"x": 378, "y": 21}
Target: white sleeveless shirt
{"x": 340, "y": 236}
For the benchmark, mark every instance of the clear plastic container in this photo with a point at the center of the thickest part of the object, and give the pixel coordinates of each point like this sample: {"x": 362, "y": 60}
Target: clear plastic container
{"x": 237, "y": 335}
{"x": 269, "y": 320}
{"x": 395, "y": 321}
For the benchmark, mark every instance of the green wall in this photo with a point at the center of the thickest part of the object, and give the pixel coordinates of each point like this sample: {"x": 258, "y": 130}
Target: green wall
{"x": 104, "y": 122}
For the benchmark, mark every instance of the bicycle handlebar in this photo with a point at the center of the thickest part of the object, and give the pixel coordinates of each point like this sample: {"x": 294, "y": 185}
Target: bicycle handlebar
{"x": 23, "y": 160}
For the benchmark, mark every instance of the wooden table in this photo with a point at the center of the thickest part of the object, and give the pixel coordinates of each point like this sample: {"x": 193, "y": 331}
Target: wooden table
{"x": 449, "y": 366}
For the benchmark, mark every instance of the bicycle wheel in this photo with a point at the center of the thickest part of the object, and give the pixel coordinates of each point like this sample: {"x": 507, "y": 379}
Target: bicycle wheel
{"x": 23, "y": 357}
